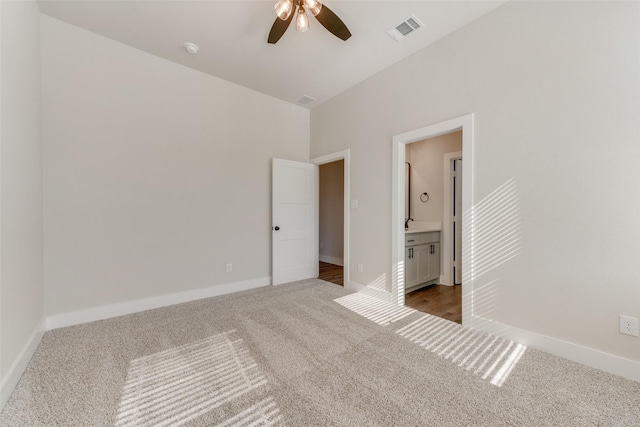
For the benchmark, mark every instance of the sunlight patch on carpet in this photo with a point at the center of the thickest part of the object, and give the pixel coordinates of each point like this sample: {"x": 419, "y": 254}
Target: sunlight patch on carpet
{"x": 491, "y": 357}
{"x": 175, "y": 386}
{"x": 374, "y": 309}
{"x": 263, "y": 413}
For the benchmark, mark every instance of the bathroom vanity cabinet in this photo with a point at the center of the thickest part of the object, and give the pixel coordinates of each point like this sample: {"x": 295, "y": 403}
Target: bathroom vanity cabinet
{"x": 421, "y": 259}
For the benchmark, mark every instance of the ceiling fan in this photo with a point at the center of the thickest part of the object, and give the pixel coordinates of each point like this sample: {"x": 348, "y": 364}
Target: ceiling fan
{"x": 286, "y": 9}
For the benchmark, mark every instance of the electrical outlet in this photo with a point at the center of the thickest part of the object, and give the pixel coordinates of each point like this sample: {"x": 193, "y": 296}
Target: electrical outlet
{"x": 321, "y": 245}
{"x": 629, "y": 325}
{"x": 229, "y": 267}
{"x": 360, "y": 268}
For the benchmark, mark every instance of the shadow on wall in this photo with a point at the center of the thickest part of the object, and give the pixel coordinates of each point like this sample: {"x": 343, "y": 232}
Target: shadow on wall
{"x": 495, "y": 239}
{"x": 380, "y": 283}
{"x": 397, "y": 279}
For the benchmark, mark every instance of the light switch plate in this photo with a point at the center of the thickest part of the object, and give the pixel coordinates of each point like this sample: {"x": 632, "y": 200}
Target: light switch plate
{"x": 354, "y": 204}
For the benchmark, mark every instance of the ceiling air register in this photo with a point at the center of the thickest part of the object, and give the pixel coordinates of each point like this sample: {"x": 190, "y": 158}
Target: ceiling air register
{"x": 405, "y": 28}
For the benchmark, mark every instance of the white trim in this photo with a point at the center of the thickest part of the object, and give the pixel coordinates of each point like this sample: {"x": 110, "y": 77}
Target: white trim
{"x": 135, "y": 306}
{"x": 20, "y": 364}
{"x": 447, "y": 233}
{"x": 332, "y": 157}
{"x": 356, "y": 286}
{"x": 331, "y": 260}
{"x": 587, "y": 356}
{"x": 374, "y": 292}
{"x": 464, "y": 123}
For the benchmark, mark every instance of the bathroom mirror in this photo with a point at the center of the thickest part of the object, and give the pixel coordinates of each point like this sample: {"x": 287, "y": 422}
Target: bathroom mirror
{"x": 407, "y": 190}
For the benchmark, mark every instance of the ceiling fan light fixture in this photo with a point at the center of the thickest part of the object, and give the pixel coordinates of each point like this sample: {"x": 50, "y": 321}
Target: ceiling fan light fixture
{"x": 321, "y": 12}
{"x": 283, "y": 9}
{"x": 314, "y": 6}
{"x": 302, "y": 20}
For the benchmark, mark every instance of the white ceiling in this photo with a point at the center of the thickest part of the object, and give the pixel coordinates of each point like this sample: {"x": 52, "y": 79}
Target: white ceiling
{"x": 232, "y": 36}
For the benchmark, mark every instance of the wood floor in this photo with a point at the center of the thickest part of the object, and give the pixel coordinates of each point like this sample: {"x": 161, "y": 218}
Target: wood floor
{"x": 331, "y": 273}
{"x": 438, "y": 300}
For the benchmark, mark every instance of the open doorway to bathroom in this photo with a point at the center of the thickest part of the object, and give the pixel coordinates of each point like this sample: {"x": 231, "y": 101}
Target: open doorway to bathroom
{"x": 433, "y": 214}
{"x": 331, "y": 232}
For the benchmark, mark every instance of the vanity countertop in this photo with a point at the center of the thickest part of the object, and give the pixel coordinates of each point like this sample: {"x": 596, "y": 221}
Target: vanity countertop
{"x": 424, "y": 228}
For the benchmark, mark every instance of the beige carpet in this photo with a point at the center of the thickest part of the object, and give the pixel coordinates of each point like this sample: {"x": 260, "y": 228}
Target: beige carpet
{"x": 304, "y": 354}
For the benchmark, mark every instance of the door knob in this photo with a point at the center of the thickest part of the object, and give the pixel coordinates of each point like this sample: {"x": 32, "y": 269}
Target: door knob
{"x": 277, "y": 228}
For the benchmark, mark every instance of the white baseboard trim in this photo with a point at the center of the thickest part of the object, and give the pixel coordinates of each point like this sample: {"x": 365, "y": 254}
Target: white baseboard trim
{"x": 368, "y": 290}
{"x": 441, "y": 281}
{"x": 18, "y": 366}
{"x": 354, "y": 286}
{"x": 587, "y": 356}
{"x": 129, "y": 307}
{"x": 331, "y": 260}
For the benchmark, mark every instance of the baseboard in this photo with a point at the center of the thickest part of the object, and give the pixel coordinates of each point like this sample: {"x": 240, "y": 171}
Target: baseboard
{"x": 422, "y": 285}
{"x": 331, "y": 260}
{"x": 354, "y": 286}
{"x": 441, "y": 281}
{"x": 368, "y": 290}
{"x": 19, "y": 365}
{"x": 129, "y": 307}
{"x": 587, "y": 356}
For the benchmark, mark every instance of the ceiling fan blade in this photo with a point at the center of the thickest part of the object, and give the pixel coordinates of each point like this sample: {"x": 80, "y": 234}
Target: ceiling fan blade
{"x": 331, "y": 22}
{"x": 278, "y": 28}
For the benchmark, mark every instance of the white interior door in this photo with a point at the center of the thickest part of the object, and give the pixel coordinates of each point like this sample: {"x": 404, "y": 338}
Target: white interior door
{"x": 295, "y": 221}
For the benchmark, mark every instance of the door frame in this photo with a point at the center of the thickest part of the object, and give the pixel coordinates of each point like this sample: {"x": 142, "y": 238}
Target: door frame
{"x": 329, "y": 158}
{"x": 447, "y": 232}
{"x": 464, "y": 123}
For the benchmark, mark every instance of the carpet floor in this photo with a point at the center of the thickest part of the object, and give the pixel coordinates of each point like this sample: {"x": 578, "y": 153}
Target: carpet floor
{"x": 304, "y": 354}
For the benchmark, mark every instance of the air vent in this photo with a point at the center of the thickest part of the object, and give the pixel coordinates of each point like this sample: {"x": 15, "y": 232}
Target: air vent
{"x": 305, "y": 100}
{"x": 405, "y": 28}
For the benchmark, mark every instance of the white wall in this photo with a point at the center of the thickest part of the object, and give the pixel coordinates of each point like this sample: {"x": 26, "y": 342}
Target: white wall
{"x": 427, "y": 174}
{"x": 556, "y": 95}
{"x": 331, "y": 218}
{"x": 155, "y": 175}
{"x": 21, "y": 281}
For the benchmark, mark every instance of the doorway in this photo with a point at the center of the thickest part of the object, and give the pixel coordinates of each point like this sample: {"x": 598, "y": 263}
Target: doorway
{"x": 430, "y": 255}
{"x": 333, "y": 212}
{"x": 465, "y": 125}
{"x": 331, "y": 221}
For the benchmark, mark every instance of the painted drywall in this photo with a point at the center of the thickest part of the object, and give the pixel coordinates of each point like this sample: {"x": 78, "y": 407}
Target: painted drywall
{"x": 427, "y": 174}
{"x": 21, "y": 271}
{"x": 555, "y": 91}
{"x": 331, "y": 207}
{"x": 156, "y": 175}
